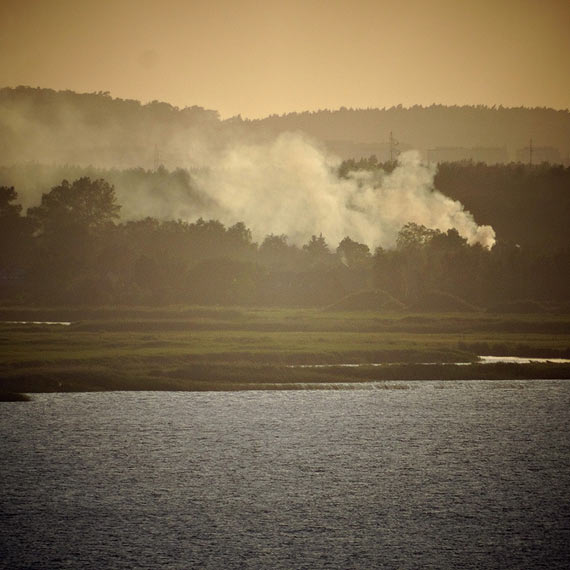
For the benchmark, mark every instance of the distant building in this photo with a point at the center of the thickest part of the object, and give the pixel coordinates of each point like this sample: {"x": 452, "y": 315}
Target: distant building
{"x": 540, "y": 154}
{"x": 489, "y": 155}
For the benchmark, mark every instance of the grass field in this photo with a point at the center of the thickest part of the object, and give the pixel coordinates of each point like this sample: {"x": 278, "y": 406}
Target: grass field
{"x": 196, "y": 348}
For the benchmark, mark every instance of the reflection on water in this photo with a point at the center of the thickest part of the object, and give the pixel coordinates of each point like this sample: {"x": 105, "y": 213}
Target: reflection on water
{"x": 477, "y": 476}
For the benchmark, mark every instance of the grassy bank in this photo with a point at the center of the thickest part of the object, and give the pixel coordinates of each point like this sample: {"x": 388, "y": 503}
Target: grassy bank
{"x": 196, "y": 377}
{"x": 194, "y": 348}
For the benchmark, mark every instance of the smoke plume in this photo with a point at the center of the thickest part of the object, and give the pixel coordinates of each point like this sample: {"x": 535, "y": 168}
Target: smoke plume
{"x": 279, "y": 184}
{"x": 291, "y": 186}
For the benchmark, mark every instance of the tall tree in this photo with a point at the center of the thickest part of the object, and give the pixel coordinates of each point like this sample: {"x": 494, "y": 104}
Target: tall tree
{"x": 15, "y": 235}
{"x": 85, "y": 203}
{"x": 70, "y": 225}
{"x": 352, "y": 253}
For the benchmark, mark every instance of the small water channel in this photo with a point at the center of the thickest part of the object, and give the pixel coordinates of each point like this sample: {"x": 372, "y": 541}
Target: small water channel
{"x": 482, "y": 360}
{"x": 62, "y": 323}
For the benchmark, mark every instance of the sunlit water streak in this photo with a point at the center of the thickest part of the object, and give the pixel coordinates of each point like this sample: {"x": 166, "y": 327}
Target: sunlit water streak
{"x": 469, "y": 474}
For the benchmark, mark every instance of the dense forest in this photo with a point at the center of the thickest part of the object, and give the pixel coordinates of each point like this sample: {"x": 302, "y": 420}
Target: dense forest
{"x": 434, "y": 126}
{"x": 86, "y": 179}
{"x": 94, "y": 128}
{"x": 528, "y": 206}
{"x": 73, "y": 248}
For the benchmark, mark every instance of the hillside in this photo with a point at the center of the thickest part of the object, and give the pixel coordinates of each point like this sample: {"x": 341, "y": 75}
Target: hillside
{"x": 362, "y": 132}
{"x": 44, "y": 125}
{"x": 48, "y": 126}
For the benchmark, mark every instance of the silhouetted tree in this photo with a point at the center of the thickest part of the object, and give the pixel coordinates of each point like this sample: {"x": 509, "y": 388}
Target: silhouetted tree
{"x": 352, "y": 253}
{"x": 84, "y": 204}
{"x": 15, "y": 243}
{"x": 276, "y": 253}
{"x": 317, "y": 250}
{"x": 413, "y": 236}
{"x": 14, "y": 229}
{"x": 70, "y": 224}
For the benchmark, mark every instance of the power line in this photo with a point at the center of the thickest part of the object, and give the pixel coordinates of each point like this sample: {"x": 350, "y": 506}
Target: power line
{"x": 530, "y": 152}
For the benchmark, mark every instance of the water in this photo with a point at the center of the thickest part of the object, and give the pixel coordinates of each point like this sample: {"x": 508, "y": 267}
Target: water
{"x": 62, "y": 323}
{"x": 440, "y": 475}
{"x": 521, "y": 360}
{"x": 482, "y": 360}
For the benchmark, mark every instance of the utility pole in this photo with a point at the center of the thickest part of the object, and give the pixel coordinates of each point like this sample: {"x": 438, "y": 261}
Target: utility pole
{"x": 530, "y": 152}
{"x": 393, "y": 144}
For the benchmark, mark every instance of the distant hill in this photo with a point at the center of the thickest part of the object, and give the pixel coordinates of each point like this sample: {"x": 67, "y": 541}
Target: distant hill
{"x": 96, "y": 129}
{"x": 465, "y": 132}
{"x": 50, "y": 126}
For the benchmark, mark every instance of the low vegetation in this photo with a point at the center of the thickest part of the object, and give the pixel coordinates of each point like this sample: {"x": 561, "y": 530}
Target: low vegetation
{"x": 202, "y": 348}
{"x": 73, "y": 249}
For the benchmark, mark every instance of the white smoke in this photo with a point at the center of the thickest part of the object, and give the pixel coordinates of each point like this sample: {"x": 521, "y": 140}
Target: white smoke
{"x": 290, "y": 186}
{"x": 285, "y": 184}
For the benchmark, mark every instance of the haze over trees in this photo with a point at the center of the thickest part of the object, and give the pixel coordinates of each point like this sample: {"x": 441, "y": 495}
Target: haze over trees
{"x": 94, "y": 128}
{"x": 49, "y": 126}
{"x": 528, "y": 206}
{"x": 434, "y": 126}
{"x": 77, "y": 230}
{"x": 71, "y": 249}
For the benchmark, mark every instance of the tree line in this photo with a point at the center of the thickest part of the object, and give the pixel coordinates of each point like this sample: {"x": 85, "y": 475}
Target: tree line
{"x": 425, "y": 127}
{"x": 73, "y": 249}
{"x": 526, "y": 205}
{"x": 80, "y": 128}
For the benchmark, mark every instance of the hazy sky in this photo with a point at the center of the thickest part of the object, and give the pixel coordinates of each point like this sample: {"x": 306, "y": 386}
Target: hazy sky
{"x": 262, "y": 57}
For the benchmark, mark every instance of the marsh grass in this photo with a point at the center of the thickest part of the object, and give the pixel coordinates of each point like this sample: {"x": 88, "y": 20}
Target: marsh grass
{"x": 213, "y": 377}
{"x": 208, "y": 348}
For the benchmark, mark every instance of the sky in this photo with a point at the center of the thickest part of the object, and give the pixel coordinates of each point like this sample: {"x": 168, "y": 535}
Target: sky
{"x": 256, "y": 58}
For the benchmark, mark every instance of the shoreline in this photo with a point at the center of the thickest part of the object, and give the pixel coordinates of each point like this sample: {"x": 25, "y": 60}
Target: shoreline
{"x": 220, "y": 377}
{"x": 235, "y": 348}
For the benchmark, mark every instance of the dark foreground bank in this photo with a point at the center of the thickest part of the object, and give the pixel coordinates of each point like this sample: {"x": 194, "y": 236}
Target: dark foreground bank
{"x": 230, "y": 377}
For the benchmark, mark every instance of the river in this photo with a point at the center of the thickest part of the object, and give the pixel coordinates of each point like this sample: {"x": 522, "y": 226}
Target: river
{"x": 446, "y": 475}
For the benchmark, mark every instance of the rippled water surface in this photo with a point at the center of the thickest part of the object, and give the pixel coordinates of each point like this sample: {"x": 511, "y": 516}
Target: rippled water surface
{"x": 435, "y": 475}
